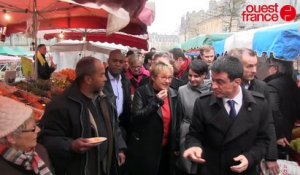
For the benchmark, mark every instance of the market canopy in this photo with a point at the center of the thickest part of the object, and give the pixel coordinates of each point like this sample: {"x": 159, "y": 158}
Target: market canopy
{"x": 9, "y": 51}
{"x": 200, "y": 40}
{"x": 8, "y": 59}
{"x": 18, "y": 51}
{"x": 115, "y": 15}
{"x": 72, "y": 45}
{"x": 98, "y": 36}
{"x": 67, "y": 53}
{"x": 283, "y": 40}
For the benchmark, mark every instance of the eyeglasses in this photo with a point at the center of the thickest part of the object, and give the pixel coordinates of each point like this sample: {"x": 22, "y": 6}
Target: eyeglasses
{"x": 30, "y": 130}
{"x": 165, "y": 78}
{"x": 136, "y": 67}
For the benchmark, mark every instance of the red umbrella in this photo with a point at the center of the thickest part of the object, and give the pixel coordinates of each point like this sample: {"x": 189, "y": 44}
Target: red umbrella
{"x": 54, "y": 14}
{"x": 33, "y": 15}
{"x": 117, "y": 38}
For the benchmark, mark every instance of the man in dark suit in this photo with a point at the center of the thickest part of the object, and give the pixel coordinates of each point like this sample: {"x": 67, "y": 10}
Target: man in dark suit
{"x": 117, "y": 87}
{"x": 227, "y": 134}
{"x": 249, "y": 61}
{"x": 284, "y": 102}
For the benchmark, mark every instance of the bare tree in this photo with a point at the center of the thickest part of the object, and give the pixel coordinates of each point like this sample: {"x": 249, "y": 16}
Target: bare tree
{"x": 189, "y": 26}
{"x": 230, "y": 10}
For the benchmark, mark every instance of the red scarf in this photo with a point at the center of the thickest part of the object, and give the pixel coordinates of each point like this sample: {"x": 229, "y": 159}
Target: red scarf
{"x": 184, "y": 67}
{"x": 135, "y": 81}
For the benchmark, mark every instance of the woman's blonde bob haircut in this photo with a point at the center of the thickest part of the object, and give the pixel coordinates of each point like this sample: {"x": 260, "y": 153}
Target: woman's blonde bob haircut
{"x": 160, "y": 66}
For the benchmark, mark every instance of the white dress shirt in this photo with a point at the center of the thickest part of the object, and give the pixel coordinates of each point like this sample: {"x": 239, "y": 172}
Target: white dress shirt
{"x": 116, "y": 85}
{"x": 238, "y": 101}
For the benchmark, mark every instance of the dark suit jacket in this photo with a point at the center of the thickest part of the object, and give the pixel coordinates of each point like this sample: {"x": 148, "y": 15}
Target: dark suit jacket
{"x": 262, "y": 87}
{"x": 124, "y": 118}
{"x": 259, "y": 86}
{"x": 222, "y": 138}
{"x": 285, "y": 104}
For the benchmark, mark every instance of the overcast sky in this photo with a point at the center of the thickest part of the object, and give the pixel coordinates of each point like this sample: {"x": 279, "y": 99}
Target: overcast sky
{"x": 168, "y": 14}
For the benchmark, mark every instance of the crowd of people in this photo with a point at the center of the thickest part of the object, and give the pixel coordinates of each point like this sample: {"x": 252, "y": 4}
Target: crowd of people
{"x": 165, "y": 114}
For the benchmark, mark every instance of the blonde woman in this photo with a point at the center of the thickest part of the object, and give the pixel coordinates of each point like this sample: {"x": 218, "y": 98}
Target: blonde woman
{"x": 152, "y": 142}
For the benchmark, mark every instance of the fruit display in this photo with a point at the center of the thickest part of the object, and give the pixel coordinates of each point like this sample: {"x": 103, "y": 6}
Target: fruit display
{"x": 39, "y": 87}
{"x": 38, "y": 93}
{"x": 63, "y": 78}
{"x": 37, "y": 103}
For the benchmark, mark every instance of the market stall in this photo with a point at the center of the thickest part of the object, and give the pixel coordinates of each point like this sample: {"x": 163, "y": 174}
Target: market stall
{"x": 67, "y": 53}
{"x": 283, "y": 40}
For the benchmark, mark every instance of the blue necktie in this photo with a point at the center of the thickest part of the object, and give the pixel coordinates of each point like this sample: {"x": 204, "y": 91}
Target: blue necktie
{"x": 232, "y": 112}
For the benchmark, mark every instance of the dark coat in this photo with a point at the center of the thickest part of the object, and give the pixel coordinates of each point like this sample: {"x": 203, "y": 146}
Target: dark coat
{"x": 8, "y": 168}
{"x": 185, "y": 77}
{"x": 285, "y": 104}
{"x": 65, "y": 119}
{"x": 262, "y": 87}
{"x": 124, "y": 118}
{"x": 145, "y": 144}
{"x": 44, "y": 71}
{"x": 259, "y": 86}
{"x": 222, "y": 138}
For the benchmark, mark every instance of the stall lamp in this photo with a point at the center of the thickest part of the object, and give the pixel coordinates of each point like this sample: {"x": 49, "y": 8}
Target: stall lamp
{"x": 83, "y": 38}
{"x": 7, "y": 17}
{"x": 61, "y": 35}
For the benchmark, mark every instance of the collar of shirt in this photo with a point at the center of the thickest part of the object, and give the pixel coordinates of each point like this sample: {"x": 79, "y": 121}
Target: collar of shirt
{"x": 111, "y": 77}
{"x": 247, "y": 85}
{"x": 238, "y": 100}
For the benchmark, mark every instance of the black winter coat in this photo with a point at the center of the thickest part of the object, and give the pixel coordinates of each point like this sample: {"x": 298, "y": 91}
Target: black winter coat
{"x": 145, "y": 144}
{"x": 44, "y": 71}
{"x": 65, "y": 119}
{"x": 284, "y": 99}
{"x": 262, "y": 87}
{"x": 222, "y": 138}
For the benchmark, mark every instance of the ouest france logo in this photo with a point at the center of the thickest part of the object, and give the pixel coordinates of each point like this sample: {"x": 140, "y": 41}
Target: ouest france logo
{"x": 268, "y": 13}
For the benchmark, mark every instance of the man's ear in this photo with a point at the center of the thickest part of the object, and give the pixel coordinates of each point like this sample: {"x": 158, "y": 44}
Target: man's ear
{"x": 238, "y": 81}
{"x": 87, "y": 79}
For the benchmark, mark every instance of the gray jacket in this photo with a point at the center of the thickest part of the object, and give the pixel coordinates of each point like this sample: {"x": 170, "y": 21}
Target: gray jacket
{"x": 187, "y": 96}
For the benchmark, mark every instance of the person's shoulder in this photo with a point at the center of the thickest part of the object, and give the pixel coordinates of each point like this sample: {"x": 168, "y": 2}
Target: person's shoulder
{"x": 206, "y": 95}
{"x": 260, "y": 83}
{"x": 181, "y": 88}
{"x": 257, "y": 95}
